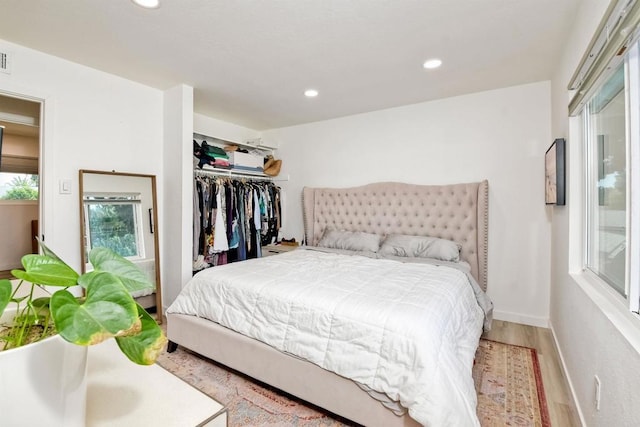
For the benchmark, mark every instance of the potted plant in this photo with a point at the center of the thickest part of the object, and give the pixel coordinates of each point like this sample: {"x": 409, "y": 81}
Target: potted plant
{"x": 37, "y": 324}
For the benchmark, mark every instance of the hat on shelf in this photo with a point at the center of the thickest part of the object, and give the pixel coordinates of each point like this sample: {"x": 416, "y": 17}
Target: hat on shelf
{"x": 272, "y": 166}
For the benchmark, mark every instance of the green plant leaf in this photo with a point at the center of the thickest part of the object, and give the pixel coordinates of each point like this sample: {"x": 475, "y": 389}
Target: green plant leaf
{"x": 48, "y": 252}
{"x": 108, "y": 311}
{"x": 44, "y": 270}
{"x": 144, "y": 347}
{"x": 104, "y": 259}
{"x": 19, "y": 299}
{"x": 41, "y": 307}
{"x": 87, "y": 278}
{"x": 41, "y": 302}
{"x": 5, "y": 294}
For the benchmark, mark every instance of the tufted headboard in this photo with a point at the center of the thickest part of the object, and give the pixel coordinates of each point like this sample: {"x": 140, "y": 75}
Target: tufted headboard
{"x": 457, "y": 212}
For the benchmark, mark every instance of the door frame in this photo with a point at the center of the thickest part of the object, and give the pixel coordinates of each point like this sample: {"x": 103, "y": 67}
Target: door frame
{"x": 45, "y": 180}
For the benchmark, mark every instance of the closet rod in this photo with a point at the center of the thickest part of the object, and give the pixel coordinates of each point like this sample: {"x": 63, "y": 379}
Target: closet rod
{"x": 235, "y": 174}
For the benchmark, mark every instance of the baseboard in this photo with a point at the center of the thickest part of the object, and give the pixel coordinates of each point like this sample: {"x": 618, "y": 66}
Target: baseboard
{"x": 574, "y": 400}
{"x": 540, "y": 322}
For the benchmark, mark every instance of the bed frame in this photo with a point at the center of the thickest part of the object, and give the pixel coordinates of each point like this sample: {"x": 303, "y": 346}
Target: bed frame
{"x": 457, "y": 212}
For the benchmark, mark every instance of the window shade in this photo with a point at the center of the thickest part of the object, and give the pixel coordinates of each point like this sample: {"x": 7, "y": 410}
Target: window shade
{"x": 102, "y": 198}
{"x": 619, "y": 28}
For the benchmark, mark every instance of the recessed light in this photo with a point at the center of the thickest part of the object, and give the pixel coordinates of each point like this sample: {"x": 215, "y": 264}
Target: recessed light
{"x": 147, "y": 4}
{"x": 310, "y": 93}
{"x": 431, "y": 64}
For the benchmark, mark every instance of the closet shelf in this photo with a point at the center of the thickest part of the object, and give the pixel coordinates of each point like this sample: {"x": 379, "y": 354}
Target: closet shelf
{"x": 256, "y": 144}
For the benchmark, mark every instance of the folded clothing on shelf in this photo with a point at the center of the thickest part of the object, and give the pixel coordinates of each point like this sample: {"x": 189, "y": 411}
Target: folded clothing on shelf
{"x": 210, "y": 155}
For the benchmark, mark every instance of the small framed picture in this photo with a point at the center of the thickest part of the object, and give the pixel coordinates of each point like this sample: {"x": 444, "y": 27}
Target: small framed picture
{"x": 554, "y": 173}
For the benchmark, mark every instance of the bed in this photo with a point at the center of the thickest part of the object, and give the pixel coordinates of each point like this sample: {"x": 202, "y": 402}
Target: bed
{"x": 377, "y": 376}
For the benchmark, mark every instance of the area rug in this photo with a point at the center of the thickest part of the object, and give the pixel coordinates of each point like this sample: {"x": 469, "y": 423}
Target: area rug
{"x": 507, "y": 379}
{"x": 509, "y": 386}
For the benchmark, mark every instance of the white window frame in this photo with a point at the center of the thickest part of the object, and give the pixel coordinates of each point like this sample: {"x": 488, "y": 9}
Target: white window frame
{"x": 633, "y": 180}
{"x": 632, "y": 111}
{"x": 133, "y": 199}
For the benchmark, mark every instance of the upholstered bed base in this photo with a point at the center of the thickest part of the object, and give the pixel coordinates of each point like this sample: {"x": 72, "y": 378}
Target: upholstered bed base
{"x": 296, "y": 376}
{"x": 455, "y": 212}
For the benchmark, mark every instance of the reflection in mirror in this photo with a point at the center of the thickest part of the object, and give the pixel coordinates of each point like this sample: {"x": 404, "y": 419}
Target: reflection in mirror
{"x": 118, "y": 211}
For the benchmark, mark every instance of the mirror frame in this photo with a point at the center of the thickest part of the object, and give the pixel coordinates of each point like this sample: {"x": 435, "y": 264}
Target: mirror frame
{"x": 156, "y": 244}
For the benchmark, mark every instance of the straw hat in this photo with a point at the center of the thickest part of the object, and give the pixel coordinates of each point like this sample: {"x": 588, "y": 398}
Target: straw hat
{"x": 272, "y": 166}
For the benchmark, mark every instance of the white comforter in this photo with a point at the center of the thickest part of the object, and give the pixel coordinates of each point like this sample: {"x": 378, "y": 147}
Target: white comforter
{"x": 409, "y": 331}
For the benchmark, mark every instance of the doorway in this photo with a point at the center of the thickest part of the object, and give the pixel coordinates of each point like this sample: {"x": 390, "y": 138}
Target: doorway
{"x": 19, "y": 180}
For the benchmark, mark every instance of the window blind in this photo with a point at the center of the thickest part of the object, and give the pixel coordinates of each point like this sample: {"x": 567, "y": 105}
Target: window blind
{"x": 619, "y": 28}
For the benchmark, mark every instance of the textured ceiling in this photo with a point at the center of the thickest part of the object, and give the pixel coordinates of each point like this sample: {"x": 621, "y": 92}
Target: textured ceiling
{"x": 250, "y": 61}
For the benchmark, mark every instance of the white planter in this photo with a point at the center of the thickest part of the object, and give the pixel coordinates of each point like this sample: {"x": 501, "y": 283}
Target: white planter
{"x": 43, "y": 384}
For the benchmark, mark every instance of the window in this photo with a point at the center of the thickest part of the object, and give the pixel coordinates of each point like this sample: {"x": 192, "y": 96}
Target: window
{"x": 606, "y": 130}
{"x": 611, "y": 117}
{"x": 606, "y": 94}
{"x": 114, "y": 221}
{"x": 18, "y": 186}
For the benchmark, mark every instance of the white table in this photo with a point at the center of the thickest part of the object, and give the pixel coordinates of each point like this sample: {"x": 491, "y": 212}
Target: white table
{"x": 121, "y": 393}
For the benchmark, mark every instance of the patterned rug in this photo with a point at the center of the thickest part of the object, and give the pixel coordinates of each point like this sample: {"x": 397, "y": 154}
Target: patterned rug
{"x": 509, "y": 386}
{"x": 507, "y": 380}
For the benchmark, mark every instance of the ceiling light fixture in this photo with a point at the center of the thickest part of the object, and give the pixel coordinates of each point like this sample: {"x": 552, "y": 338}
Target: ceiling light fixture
{"x": 310, "y": 93}
{"x": 431, "y": 64}
{"x": 148, "y": 4}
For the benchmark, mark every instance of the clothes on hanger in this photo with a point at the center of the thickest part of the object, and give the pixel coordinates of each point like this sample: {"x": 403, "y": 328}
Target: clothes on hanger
{"x": 232, "y": 219}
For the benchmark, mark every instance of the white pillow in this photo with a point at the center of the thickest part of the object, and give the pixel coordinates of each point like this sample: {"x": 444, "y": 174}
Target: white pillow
{"x": 350, "y": 240}
{"x": 420, "y": 247}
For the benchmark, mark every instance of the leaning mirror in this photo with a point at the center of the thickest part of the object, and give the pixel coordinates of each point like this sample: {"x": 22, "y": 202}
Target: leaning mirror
{"x": 118, "y": 211}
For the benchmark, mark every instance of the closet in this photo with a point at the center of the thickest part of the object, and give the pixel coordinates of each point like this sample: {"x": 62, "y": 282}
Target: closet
{"x": 235, "y": 213}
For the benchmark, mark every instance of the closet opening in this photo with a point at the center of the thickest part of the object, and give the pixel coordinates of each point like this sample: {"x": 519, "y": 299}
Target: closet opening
{"x": 234, "y": 217}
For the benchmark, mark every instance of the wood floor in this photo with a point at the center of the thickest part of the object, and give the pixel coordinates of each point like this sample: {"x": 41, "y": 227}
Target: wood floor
{"x": 559, "y": 402}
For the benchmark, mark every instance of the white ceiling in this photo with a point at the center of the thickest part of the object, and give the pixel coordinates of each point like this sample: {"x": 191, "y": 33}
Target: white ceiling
{"x": 250, "y": 61}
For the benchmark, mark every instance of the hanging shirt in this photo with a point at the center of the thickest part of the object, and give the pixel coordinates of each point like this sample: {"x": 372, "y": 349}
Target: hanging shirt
{"x": 197, "y": 224}
{"x": 220, "y": 242}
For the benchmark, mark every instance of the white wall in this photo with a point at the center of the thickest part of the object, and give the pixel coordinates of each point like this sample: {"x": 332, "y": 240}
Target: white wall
{"x": 178, "y": 184}
{"x": 92, "y": 120}
{"x": 499, "y": 135}
{"x": 595, "y": 334}
{"x": 223, "y": 130}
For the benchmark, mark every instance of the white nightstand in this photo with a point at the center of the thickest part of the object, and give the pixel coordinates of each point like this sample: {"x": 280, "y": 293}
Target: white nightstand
{"x": 274, "y": 249}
